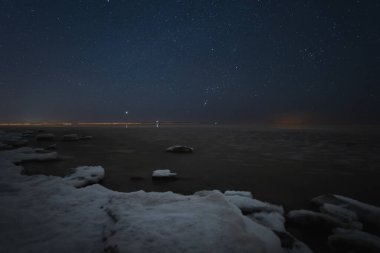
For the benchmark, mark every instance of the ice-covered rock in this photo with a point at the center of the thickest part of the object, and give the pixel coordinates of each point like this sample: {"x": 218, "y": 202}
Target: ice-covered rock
{"x": 248, "y": 205}
{"x": 344, "y": 240}
{"x": 85, "y": 175}
{"x": 45, "y": 137}
{"x": 70, "y": 137}
{"x": 339, "y": 211}
{"x": 179, "y": 149}
{"x": 27, "y": 154}
{"x": 366, "y": 213}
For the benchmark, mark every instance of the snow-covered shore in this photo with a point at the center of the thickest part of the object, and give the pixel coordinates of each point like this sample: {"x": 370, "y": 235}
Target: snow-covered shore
{"x": 53, "y": 214}
{"x": 45, "y": 214}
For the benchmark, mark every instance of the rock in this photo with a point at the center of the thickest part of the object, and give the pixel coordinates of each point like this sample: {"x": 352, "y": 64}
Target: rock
{"x": 70, "y": 137}
{"x": 368, "y": 214}
{"x": 317, "y": 220}
{"x": 45, "y": 137}
{"x": 179, "y": 149}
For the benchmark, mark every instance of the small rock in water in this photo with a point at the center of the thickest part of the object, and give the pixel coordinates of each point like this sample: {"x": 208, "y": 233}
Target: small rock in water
{"x": 179, "y": 149}
{"x": 70, "y": 137}
{"x": 45, "y": 137}
{"x": 163, "y": 174}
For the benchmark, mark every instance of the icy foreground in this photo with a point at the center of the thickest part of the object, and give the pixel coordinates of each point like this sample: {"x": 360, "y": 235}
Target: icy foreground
{"x": 45, "y": 214}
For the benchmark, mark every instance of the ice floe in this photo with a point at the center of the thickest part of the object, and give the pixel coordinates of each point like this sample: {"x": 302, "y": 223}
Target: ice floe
{"x": 239, "y": 193}
{"x": 249, "y": 205}
{"x": 163, "y": 174}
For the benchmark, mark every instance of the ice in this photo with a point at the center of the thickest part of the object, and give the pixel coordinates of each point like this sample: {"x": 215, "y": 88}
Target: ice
{"x": 238, "y": 193}
{"x": 27, "y": 154}
{"x": 248, "y": 205}
{"x": 163, "y": 173}
{"x": 272, "y": 220}
{"x": 85, "y": 175}
{"x": 354, "y": 241}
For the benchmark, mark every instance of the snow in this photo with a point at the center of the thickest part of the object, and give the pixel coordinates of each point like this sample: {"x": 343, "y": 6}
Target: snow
{"x": 44, "y": 214}
{"x": 27, "y": 154}
{"x": 163, "y": 173}
{"x": 355, "y": 240}
{"x": 85, "y": 175}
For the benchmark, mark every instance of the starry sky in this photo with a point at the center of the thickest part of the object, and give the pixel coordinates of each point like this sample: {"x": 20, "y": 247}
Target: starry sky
{"x": 227, "y": 61}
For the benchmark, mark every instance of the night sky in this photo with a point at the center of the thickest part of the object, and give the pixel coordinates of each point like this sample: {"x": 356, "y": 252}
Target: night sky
{"x": 205, "y": 61}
